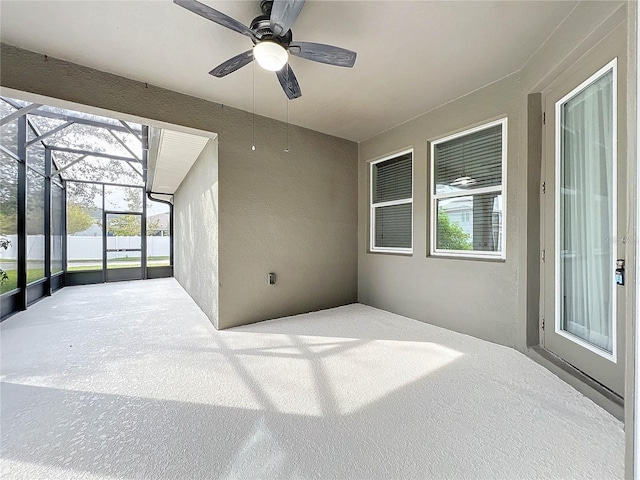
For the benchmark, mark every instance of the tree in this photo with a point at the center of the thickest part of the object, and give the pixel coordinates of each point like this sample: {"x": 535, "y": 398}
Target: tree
{"x": 153, "y": 226}
{"x": 90, "y": 138}
{"x": 125, "y": 226}
{"x": 8, "y": 188}
{"x": 156, "y": 224}
{"x": 8, "y": 221}
{"x": 78, "y": 218}
{"x": 450, "y": 235}
{"x": 129, "y": 225}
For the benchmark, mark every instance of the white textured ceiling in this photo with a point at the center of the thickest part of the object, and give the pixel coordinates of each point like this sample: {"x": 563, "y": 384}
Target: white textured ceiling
{"x": 412, "y": 56}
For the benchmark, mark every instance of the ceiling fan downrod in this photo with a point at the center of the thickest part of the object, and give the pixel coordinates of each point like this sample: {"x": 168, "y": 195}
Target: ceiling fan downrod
{"x": 265, "y": 7}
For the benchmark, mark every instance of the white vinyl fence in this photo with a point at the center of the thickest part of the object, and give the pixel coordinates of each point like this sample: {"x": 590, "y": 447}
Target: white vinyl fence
{"x": 86, "y": 248}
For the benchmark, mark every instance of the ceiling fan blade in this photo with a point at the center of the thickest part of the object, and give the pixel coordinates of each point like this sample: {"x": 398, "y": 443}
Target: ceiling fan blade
{"x": 233, "y": 64}
{"x": 283, "y": 14}
{"x": 289, "y": 82}
{"x": 319, "y": 52}
{"x": 215, "y": 16}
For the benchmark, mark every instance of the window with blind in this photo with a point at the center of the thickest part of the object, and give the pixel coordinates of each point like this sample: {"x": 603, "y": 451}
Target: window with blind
{"x": 392, "y": 204}
{"x": 468, "y": 174}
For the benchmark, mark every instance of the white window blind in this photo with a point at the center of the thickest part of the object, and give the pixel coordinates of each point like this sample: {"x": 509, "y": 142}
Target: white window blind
{"x": 467, "y": 201}
{"x": 392, "y": 204}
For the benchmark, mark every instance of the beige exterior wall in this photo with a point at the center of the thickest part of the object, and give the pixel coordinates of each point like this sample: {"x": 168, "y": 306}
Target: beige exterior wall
{"x": 291, "y": 213}
{"x": 195, "y": 213}
{"x": 297, "y": 213}
{"x": 470, "y": 296}
{"x": 494, "y": 300}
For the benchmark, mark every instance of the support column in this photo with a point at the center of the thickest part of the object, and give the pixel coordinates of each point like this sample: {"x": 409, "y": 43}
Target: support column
{"x": 64, "y": 231}
{"x": 145, "y": 154}
{"x": 22, "y": 213}
{"x": 104, "y": 239}
{"x": 47, "y": 221}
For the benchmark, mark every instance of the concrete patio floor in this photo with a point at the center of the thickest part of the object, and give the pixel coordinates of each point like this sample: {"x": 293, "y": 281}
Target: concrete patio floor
{"x": 130, "y": 380}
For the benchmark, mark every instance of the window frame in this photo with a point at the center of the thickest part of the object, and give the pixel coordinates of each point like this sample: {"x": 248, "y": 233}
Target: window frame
{"x": 501, "y": 189}
{"x": 373, "y": 206}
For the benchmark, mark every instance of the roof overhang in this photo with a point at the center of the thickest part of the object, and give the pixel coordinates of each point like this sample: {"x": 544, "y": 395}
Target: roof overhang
{"x": 171, "y": 156}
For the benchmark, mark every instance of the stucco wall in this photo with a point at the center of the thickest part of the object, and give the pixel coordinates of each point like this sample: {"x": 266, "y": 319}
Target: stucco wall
{"x": 470, "y": 296}
{"x": 493, "y": 300}
{"x": 195, "y": 213}
{"x": 291, "y": 213}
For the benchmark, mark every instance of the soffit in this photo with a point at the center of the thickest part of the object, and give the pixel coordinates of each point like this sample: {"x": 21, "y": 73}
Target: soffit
{"x": 172, "y": 156}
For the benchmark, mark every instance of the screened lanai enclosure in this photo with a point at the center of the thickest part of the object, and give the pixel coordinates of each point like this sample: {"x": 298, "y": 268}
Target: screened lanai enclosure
{"x": 74, "y": 203}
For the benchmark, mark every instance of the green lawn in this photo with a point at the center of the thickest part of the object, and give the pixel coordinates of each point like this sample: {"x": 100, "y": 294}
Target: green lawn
{"x": 84, "y": 268}
{"x": 32, "y": 275}
{"x": 151, "y": 262}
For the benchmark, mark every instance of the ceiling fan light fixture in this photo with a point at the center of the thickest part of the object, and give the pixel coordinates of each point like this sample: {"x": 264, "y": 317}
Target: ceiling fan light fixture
{"x": 463, "y": 181}
{"x": 270, "y": 55}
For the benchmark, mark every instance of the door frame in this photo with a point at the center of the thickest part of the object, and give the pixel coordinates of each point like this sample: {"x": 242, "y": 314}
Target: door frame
{"x": 126, "y": 273}
{"x": 613, "y": 67}
{"x": 601, "y": 54}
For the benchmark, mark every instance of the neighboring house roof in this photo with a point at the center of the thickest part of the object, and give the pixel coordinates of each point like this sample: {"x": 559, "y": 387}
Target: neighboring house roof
{"x": 162, "y": 220}
{"x": 460, "y": 203}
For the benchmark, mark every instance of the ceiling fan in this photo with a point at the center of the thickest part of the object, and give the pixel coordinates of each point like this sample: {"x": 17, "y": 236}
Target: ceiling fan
{"x": 272, "y": 42}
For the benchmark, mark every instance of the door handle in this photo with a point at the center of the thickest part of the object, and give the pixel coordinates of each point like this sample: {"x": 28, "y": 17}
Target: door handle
{"x": 620, "y": 271}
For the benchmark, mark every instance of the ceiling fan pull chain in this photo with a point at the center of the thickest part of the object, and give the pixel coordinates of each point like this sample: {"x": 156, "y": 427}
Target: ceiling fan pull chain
{"x": 253, "y": 114}
{"x": 287, "y": 149}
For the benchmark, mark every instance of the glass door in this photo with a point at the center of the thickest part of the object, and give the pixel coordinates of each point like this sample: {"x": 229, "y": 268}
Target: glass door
{"x": 123, "y": 246}
{"x": 584, "y": 227}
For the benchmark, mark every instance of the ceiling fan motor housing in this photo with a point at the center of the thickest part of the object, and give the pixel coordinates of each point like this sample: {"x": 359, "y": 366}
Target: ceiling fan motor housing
{"x": 261, "y": 26}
